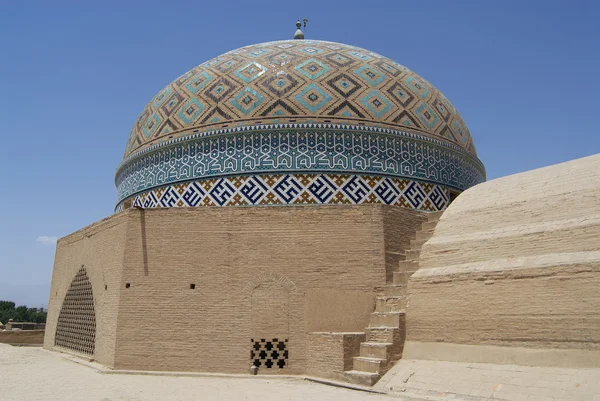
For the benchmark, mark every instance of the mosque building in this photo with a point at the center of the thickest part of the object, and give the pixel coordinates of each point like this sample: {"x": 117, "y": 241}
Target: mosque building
{"x": 278, "y": 207}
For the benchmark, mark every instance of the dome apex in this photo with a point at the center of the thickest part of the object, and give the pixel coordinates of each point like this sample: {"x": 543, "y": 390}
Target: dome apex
{"x": 299, "y": 34}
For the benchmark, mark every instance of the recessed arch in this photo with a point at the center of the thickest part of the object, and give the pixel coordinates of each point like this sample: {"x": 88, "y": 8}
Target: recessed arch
{"x": 76, "y": 328}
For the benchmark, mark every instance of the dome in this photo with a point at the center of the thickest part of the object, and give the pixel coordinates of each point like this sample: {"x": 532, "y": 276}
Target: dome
{"x": 312, "y": 114}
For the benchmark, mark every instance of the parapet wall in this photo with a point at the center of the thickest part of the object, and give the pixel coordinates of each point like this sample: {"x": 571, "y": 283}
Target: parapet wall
{"x": 513, "y": 262}
{"x": 22, "y": 337}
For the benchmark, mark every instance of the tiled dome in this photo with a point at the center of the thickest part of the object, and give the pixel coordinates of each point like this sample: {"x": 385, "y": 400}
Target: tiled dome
{"x": 301, "y": 80}
{"x": 255, "y": 109}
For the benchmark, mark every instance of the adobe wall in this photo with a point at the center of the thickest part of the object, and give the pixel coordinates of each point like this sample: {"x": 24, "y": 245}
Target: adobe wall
{"x": 259, "y": 273}
{"x": 100, "y": 249}
{"x": 331, "y": 354}
{"x": 514, "y": 262}
{"x": 28, "y": 337}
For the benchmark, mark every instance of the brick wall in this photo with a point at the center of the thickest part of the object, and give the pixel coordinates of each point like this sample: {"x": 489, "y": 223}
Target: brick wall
{"x": 330, "y": 354}
{"x": 233, "y": 256}
{"x": 100, "y": 248}
{"x": 257, "y": 273}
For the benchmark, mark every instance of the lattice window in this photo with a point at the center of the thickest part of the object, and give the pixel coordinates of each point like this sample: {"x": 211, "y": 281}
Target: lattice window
{"x": 269, "y": 353}
{"x": 76, "y": 329}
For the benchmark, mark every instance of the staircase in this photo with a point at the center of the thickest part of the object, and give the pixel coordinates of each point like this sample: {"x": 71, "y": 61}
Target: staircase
{"x": 386, "y": 331}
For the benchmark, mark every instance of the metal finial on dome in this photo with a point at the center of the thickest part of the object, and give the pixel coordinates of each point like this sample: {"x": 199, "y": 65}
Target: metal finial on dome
{"x": 299, "y": 34}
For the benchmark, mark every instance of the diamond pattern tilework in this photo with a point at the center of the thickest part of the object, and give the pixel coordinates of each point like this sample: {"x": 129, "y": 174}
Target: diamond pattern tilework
{"x": 428, "y": 117}
{"x": 311, "y": 50}
{"x": 312, "y": 68}
{"x": 359, "y": 55}
{"x": 460, "y": 131}
{"x": 285, "y": 70}
{"x": 191, "y": 110}
{"x": 282, "y": 58}
{"x": 400, "y": 94}
{"x": 313, "y": 98}
{"x": 417, "y": 86}
{"x": 255, "y": 51}
{"x": 280, "y": 84}
{"x": 228, "y": 64}
{"x": 160, "y": 98}
{"x": 377, "y": 103}
{"x": 151, "y": 125}
{"x": 279, "y": 108}
{"x": 390, "y": 67}
{"x": 344, "y": 85}
{"x": 247, "y": 100}
{"x": 298, "y": 189}
{"x": 220, "y": 90}
{"x": 370, "y": 74}
{"x": 198, "y": 81}
{"x": 339, "y": 59}
{"x": 250, "y": 72}
{"x": 171, "y": 104}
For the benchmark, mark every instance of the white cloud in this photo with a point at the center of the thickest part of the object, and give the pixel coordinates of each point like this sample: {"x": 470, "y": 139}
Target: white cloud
{"x": 47, "y": 240}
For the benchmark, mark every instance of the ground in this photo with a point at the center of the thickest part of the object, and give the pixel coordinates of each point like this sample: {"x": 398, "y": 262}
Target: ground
{"x": 31, "y": 373}
{"x": 486, "y": 381}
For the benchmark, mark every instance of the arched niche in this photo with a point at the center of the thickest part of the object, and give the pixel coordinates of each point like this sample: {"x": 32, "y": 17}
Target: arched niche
{"x": 76, "y": 328}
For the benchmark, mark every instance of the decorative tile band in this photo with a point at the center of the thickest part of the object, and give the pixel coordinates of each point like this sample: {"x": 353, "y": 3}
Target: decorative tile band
{"x": 299, "y": 151}
{"x": 295, "y": 189}
{"x": 319, "y": 124}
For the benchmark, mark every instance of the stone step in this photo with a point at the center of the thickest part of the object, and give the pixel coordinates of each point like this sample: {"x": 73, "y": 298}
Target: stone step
{"x": 417, "y": 243}
{"x": 384, "y": 334}
{"x": 424, "y": 235}
{"x": 429, "y": 225}
{"x": 413, "y": 254}
{"x": 362, "y": 378}
{"x": 386, "y": 319}
{"x": 385, "y": 303}
{"x": 402, "y": 277}
{"x": 371, "y": 365}
{"x": 434, "y": 216}
{"x": 408, "y": 266}
{"x": 374, "y": 350}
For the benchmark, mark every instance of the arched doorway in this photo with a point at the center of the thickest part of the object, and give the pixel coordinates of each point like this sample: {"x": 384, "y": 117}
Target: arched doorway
{"x": 270, "y": 297}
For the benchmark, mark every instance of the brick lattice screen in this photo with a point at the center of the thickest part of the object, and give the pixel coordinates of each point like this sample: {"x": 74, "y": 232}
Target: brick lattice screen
{"x": 76, "y": 329}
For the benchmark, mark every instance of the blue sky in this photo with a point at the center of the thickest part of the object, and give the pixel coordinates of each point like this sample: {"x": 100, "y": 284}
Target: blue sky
{"x": 75, "y": 76}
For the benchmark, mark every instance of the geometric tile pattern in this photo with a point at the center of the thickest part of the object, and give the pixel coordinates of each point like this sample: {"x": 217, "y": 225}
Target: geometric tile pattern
{"x": 302, "y": 148}
{"x": 296, "y": 189}
{"x": 76, "y": 329}
{"x": 272, "y": 353}
{"x": 313, "y": 98}
{"x": 300, "y": 80}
